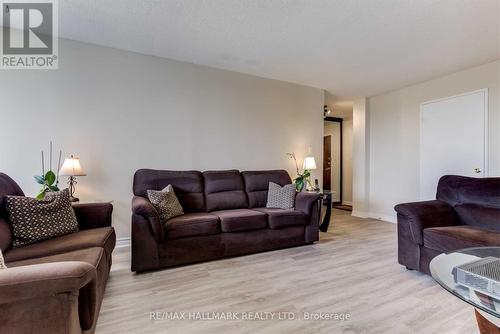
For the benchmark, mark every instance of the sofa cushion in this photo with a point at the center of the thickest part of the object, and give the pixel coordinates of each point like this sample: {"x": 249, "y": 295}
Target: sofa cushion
{"x": 224, "y": 190}
{"x": 99, "y": 237}
{"x": 279, "y": 218}
{"x": 480, "y": 216}
{"x": 451, "y": 238}
{"x": 241, "y": 220}
{"x": 192, "y": 224}
{"x": 454, "y": 190}
{"x": 91, "y": 255}
{"x": 35, "y": 220}
{"x": 188, "y": 186}
{"x": 257, "y": 184}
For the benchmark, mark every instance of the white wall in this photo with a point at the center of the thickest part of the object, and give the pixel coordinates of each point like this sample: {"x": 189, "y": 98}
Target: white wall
{"x": 347, "y": 161}
{"x": 120, "y": 111}
{"x": 360, "y": 159}
{"x": 395, "y": 127}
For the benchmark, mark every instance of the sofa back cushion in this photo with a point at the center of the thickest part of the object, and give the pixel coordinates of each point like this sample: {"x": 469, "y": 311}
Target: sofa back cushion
{"x": 7, "y": 187}
{"x": 481, "y": 216}
{"x": 188, "y": 186}
{"x": 455, "y": 190}
{"x": 257, "y": 184}
{"x": 224, "y": 190}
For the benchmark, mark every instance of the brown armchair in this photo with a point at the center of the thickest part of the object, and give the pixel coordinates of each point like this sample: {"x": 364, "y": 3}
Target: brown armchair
{"x": 56, "y": 285}
{"x": 466, "y": 213}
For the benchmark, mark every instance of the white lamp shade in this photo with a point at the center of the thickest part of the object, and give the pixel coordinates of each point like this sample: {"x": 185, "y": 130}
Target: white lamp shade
{"x": 72, "y": 167}
{"x": 309, "y": 163}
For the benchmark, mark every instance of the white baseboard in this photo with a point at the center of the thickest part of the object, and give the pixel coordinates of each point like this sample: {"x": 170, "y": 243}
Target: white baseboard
{"x": 123, "y": 242}
{"x": 360, "y": 214}
{"x": 374, "y": 215}
{"x": 346, "y": 203}
{"x": 384, "y": 217}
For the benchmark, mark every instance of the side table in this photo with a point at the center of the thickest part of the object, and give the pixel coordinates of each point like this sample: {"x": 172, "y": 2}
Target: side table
{"x": 327, "y": 198}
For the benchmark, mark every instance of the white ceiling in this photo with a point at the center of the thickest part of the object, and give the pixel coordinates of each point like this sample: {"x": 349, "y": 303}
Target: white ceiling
{"x": 351, "y": 48}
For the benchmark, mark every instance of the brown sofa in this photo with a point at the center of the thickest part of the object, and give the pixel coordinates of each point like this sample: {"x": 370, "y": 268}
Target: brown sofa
{"x": 225, "y": 215}
{"x": 466, "y": 213}
{"x": 57, "y": 285}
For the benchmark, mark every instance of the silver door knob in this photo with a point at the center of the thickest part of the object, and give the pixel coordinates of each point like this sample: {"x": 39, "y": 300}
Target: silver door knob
{"x": 477, "y": 170}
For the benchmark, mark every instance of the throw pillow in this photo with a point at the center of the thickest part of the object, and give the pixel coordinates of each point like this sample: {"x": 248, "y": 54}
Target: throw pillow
{"x": 166, "y": 203}
{"x": 280, "y": 197}
{"x": 35, "y": 220}
{"x": 2, "y": 262}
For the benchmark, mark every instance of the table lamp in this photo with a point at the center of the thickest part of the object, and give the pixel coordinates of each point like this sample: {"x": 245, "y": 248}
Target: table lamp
{"x": 309, "y": 164}
{"x": 72, "y": 168}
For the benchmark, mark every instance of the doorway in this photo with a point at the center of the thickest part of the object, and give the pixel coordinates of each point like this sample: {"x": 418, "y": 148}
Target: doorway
{"x": 332, "y": 157}
{"x": 453, "y": 139}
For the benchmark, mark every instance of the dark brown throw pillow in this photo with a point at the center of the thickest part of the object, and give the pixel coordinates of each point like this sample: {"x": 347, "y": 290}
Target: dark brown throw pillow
{"x": 35, "y": 220}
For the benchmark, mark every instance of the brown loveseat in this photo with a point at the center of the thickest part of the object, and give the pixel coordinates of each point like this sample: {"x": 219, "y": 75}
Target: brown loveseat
{"x": 225, "y": 215}
{"x": 57, "y": 285}
{"x": 466, "y": 213}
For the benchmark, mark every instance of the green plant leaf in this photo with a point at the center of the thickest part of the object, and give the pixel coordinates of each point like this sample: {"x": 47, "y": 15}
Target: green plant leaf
{"x": 53, "y": 188}
{"x": 39, "y": 179}
{"x": 299, "y": 184}
{"x": 306, "y": 174}
{"x": 41, "y": 194}
{"x": 50, "y": 178}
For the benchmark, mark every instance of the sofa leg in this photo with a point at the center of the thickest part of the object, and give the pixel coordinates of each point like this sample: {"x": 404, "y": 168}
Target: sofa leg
{"x": 408, "y": 268}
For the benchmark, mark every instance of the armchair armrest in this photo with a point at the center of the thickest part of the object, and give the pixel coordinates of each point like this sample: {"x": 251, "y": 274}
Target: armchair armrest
{"x": 19, "y": 284}
{"x": 38, "y": 280}
{"x": 93, "y": 215}
{"x": 421, "y": 215}
{"x": 304, "y": 201}
{"x": 143, "y": 207}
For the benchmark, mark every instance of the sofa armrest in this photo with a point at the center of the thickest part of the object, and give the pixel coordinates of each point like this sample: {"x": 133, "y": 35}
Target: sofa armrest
{"x": 93, "y": 215}
{"x": 421, "y": 215}
{"x": 143, "y": 207}
{"x": 304, "y": 201}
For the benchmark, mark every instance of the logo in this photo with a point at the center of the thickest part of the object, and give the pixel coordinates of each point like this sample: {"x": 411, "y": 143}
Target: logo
{"x": 29, "y": 34}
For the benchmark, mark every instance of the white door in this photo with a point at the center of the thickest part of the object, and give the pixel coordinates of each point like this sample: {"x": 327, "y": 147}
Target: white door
{"x": 453, "y": 139}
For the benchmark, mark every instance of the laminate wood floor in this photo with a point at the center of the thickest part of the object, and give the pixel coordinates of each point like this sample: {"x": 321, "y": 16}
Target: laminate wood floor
{"x": 352, "y": 270}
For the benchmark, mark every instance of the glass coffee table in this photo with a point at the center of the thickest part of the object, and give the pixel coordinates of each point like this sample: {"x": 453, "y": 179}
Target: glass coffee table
{"x": 487, "y": 307}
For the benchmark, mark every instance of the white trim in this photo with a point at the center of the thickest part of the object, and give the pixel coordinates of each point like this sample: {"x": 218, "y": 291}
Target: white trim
{"x": 360, "y": 214}
{"x": 486, "y": 139}
{"x": 384, "y": 217}
{"x": 346, "y": 203}
{"x": 374, "y": 215}
{"x": 123, "y": 242}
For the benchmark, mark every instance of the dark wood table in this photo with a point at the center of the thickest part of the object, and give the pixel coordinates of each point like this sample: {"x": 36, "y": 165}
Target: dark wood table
{"x": 327, "y": 198}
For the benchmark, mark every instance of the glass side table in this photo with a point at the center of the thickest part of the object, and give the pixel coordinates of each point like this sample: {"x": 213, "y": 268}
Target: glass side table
{"x": 487, "y": 308}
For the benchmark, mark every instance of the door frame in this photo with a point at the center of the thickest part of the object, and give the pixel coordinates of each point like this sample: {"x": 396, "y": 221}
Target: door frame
{"x": 486, "y": 137}
{"x": 338, "y": 120}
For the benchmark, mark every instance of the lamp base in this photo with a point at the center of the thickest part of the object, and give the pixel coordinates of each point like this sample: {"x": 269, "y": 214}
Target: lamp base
{"x": 74, "y": 199}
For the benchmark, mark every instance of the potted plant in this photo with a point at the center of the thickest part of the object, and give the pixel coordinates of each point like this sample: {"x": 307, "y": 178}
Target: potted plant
{"x": 49, "y": 180}
{"x": 302, "y": 178}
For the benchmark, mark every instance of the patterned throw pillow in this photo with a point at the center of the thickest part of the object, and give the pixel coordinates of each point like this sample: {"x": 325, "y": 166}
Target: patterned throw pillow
{"x": 2, "y": 262}
{"x": 280, "y": 197}
{"x": 166, "y": 203}
{"x": 37, "y": 220}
